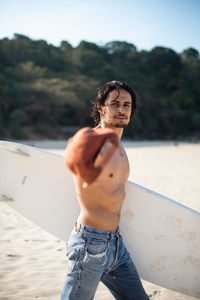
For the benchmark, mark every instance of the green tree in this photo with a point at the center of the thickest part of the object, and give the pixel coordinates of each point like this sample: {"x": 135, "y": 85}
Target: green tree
{"x": 45, "y": 88}
{"x": 190, "y": 53}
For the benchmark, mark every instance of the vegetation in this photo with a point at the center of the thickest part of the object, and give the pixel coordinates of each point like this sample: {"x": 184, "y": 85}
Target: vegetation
{"x": 46, "y": 89}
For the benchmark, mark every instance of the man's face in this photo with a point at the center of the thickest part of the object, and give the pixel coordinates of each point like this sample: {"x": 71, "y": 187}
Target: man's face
{"x": 117, "y": 109}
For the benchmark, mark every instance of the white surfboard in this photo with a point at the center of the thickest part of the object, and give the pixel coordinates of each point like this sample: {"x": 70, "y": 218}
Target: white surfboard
{"x": 162, "y": 236}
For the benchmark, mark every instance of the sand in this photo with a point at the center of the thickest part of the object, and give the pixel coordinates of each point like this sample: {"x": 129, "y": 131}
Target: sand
{"x": 33, "y": 263}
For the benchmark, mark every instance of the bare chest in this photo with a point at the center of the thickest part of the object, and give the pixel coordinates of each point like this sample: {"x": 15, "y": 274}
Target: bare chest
{"x": 117, "y": 168}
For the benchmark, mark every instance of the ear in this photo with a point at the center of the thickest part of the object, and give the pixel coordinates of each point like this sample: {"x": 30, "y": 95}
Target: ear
{"x": 99, "y": 108}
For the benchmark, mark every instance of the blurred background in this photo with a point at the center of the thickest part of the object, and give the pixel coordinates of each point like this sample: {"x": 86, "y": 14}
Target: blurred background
{"x": 54, "y": 55}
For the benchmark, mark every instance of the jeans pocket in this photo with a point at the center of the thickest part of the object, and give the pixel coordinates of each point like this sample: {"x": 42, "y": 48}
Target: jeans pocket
{"x": 75, "y": 241}
{"x": 72, "y": 255}
{"x": 96, "y": 246}
{"x": 95, "y": 251}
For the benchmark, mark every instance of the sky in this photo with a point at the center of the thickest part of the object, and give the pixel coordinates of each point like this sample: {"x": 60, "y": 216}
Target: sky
{"x": 173, "y": 24}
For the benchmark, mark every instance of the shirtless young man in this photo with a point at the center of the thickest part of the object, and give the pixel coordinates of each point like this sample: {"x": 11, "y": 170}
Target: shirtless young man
{"x": 95, "y": 248}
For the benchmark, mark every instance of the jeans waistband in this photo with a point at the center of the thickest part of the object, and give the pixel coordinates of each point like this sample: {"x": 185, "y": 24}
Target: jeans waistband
{"x": 83, "y": 229}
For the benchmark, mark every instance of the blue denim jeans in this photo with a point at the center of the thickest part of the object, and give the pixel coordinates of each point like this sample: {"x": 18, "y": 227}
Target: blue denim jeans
{"x": 96, "y": 255}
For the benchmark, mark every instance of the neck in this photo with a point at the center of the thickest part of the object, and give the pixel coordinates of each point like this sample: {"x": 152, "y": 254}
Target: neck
{"x": 118, "y": 131}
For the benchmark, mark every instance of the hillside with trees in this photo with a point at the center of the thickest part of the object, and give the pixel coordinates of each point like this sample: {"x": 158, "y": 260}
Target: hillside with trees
{"x": 45, "y": 91}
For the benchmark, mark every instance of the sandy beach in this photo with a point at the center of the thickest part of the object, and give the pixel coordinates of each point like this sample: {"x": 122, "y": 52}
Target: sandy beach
{"x": 33, "y": 263}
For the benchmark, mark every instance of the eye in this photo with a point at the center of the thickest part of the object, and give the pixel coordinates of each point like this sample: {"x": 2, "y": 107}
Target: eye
{"x": 127, "y": 105}
{"x": 114, "y": 104}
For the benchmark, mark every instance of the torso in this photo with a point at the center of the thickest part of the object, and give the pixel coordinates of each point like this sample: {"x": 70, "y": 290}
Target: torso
{"x": 101, "y": 201}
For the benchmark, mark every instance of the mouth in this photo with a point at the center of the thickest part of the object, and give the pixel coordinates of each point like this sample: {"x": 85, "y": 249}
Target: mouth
{"x": 120, "y": 117}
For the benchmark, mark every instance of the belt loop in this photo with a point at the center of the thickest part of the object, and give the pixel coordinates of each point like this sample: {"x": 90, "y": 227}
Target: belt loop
{"x": 117, "y": 232}
{"x": 77, "y": 228}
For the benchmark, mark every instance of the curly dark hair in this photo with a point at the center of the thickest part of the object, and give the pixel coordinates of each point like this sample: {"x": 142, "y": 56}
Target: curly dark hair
{"x": 103, "y": 94}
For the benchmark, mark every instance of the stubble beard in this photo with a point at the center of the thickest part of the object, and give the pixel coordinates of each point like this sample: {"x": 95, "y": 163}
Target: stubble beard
{"x": 118, "y": 125}
{"x": 115, "y": 125}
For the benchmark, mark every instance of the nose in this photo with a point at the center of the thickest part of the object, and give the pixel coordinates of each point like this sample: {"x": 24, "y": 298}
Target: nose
{"x": 121, "y": 108}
